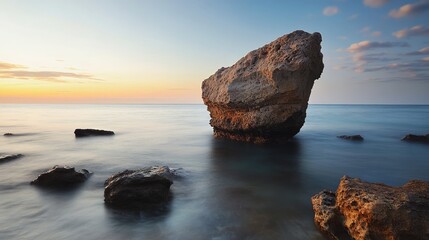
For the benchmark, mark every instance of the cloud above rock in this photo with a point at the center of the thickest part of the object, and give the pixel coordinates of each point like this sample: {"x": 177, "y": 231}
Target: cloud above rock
{"x": 411, "y": 9}
{"x": 418, "y": 30}
{"x": 375, "y": 3}
{"x": 330, "y": 11}
{"x": 367, "y": 45}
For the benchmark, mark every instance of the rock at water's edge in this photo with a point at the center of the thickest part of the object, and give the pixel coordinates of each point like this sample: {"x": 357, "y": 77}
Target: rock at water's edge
{"x": 351, "y": 137}
{"x": 6, "y": 158}
{"x": 264, "y": 96}
{"x": 138, "y": 188}
{"x": 416, "y": 138}
{"x": 374, "y": 211}
{"x": 92, "y": 132}
{"x": 61, "y": 176}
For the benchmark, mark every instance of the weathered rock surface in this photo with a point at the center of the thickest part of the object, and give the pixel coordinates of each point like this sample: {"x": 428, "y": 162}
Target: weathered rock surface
{"x": 92, "y": 132}
{"x": 416, "y": 138}
{"x": 351, "y": 137}
{"x": 264, "y": 96}
{"x": 61, "y": 176}
{"x": 374, "y": 211}
{"x": 138, "y": 188}
{"x": 10, "y": 157}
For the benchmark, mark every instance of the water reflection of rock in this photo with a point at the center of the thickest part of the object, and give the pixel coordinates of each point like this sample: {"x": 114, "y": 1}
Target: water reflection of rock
{"x": 256, "y": 192}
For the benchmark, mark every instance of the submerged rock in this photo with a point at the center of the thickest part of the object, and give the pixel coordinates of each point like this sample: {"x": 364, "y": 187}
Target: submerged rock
{"x": 351, "y": 137}
{"x": 138, "y": 188}
{"x": 8, "y": 134}
{"x": 6, "y": 158}
{"x": 264, "y": 96}
{"x": 416, "y": 138}
{"x": 374, "y": 211}
{"x": 61, "y": 176}
{"x": 92, "y": 132}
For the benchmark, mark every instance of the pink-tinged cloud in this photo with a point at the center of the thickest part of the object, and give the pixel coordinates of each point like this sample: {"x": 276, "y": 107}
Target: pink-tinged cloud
{"x": 367, "y": 45}
{"x": 330, "y": 11}
{"x": 410, "y": 9}
{"x": 375, "y": 3}
{"x": 423, "y": 51}
{"x": 426, "y": 59}
{"x": 5, "y": 65}
{"x": 418, "y": 30}
{"x": 12, "y": 71}
{"x": 376, "y": 33}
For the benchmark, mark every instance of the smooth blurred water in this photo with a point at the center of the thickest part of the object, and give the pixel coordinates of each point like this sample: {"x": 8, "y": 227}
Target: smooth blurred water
{"x": 231, "y": 190}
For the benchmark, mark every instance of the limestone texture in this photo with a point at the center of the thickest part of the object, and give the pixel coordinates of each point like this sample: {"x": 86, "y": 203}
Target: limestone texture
{"x": 264, "y": 96}
{"x": 373, "y": 211}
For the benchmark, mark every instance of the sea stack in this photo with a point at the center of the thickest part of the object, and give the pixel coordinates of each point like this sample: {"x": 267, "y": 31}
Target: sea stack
{"x": 264, "y": 96}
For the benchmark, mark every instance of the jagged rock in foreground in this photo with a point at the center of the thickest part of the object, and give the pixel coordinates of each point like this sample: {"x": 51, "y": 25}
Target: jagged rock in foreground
{"x": 264, "y": 96}
{"x": 61, "y": 176}
{"x": 351, "y": 137}
{"x": 92, "y": 132}
{"x": 373, "y": 211}
{"x": 416, "y": 138}
{"x": 7, "y": 158}
{"x": 136, "y": 189}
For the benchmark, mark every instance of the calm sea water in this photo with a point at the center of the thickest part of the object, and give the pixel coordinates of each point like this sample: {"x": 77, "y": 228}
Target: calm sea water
{"x": 230, "y": 191}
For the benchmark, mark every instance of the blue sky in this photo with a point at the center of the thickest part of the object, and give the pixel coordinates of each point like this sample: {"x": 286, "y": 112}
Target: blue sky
{"x": 375, "y": 51}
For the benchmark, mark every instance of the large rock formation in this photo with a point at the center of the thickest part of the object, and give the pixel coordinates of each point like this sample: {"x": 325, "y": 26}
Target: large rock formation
{"x": 362, "y": 211}
{"x": 264, "y": 95}
{"x": 138, "y": 189}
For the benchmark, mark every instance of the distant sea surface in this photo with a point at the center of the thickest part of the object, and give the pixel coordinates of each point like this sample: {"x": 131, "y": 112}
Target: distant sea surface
{"x": 230, "y": 190}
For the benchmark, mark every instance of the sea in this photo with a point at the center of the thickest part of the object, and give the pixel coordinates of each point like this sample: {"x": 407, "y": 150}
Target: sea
{"x": 227, "y": 190}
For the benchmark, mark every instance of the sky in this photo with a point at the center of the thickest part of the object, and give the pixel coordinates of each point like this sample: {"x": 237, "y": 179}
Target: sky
{"x": 108, "y": 51}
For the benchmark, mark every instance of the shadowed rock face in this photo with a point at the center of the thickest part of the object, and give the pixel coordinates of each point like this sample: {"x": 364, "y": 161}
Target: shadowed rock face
{"x": 373, "y": 211}
{"x": 61, "y": 176}
{"x": 92, "y": 132}
{"x": 264, "y": 96}
{"x": 416, "y": 138}
{"x": 137, "y": 189}
{"x": 7, "y": 158}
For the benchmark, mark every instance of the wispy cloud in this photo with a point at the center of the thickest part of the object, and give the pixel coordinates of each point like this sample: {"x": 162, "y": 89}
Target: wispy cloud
{"x": 13, "y": 71}
{"x": 330, "y": 11}
{"x": 376, "y": 33}
{"x": 375, "y": 3}
{"x": 410, "y": 9}
{"x": 5, "y": 65}
{"x": 423, "y": 51}
{"x": 418, "y": 30}
{"x": 426, "y": 59}
{"x": 367, "y": 45}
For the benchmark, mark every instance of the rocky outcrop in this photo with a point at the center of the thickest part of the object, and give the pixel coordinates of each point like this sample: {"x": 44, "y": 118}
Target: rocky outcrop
{"x": 374, "y": 211}
{"x": 61, "y": 176}
{"x": 8, "y": 134}
{"x": 264, "y": 95}
{"x": 138, "y": 188}
{"x": 7, "y": 158}
{"x": 351, "y": 137}
{"x": 92, "y": 132}
{"x": 416, "y": 138}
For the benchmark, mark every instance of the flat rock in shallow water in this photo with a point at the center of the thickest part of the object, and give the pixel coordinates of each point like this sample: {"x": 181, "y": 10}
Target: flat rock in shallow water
{"x": 61, "y": 176}
{"x": 351, "y": 137}
{"x": 138, "y": 188}
{"x": 6, "y": 158}
{"x": 264, "y": 96}
{"x": 92, "y": 132}
{"x": 416, "y": 138}
{"x": 374, "y": 211}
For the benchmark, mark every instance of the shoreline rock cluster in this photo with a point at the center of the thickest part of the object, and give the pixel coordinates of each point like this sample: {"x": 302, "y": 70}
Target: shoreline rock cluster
{"x": 361, "y": 210}
{"x": 264, "y": 96}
